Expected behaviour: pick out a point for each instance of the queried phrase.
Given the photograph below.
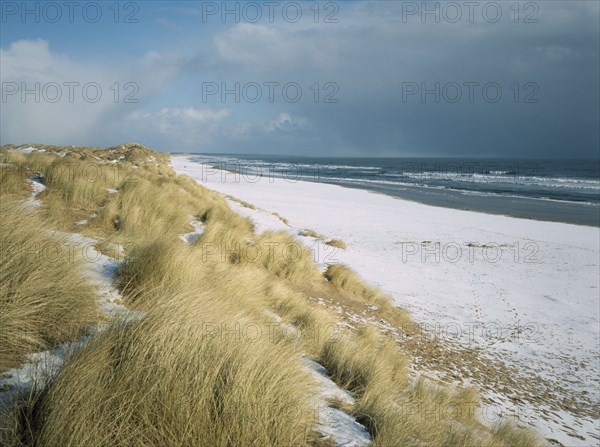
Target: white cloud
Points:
(186, 128)
(285, 123)
(72, 102)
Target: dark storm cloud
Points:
(547, 73)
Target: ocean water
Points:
(555, 190)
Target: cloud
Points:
(48, 97)
(372, 54)
(285, 123)
(179, 129)
(365, 61)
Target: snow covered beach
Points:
(523, 294)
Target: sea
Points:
(553, 190)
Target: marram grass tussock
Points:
(44, 296)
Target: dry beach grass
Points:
(186, 373)
(43, 294)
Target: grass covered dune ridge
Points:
(45, 298)
(212, 345)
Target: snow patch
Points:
(333, 422)
(192, 236)
(38, 368)
(27, 150)
(37, 186)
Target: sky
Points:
(346, 78)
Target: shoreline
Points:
(589, 217)
(557, 293)
(532, 208)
